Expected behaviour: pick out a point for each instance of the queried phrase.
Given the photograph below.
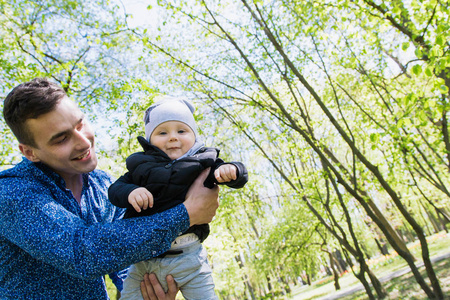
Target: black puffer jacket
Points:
(168, 180)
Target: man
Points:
(58, 232)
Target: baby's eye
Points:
(181, 131)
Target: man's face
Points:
(64, 139)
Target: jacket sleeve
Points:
(242, 176)
(241, 180)
(47, 231)
(119, 191)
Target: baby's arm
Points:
(119, 191)
(225, 173)
(140, 199)
(233, 174)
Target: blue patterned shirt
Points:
(51, 247)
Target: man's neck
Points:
(75, 184)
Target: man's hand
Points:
(201, 202)
(226, 173)
(151, 289)
(140, 199)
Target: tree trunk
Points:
(245, 279)
(434, 222)
(387, 225)
(382, 248)
(361, 277)
(366, 285)
(335, 272)
(442, 220)
(308, 279)
(381, 292)
(338, 263)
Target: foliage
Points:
(344, 91)
(82, 45)
(339, 109)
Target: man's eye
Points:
(61, 140)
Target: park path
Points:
(398, 273)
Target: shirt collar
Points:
(56, 177)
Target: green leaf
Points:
(443, 89)
(422, 116)
(403, 121)
(430, 103)
(396, 10)
(417, 69)
(405, 46)
(418, 53)
(440, 40)
(374, 137)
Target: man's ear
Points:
(29, 152)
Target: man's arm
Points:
(50, 233)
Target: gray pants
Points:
(190, 269)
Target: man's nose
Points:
(82, 140)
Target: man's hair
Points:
(30, 100)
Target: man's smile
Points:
(83, 156)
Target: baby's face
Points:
(173, 137)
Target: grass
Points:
(110, 288)
(403, 287)
(406, 287)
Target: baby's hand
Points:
(140, 198)
(226, 173)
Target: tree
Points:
(298, 60)
(81, 45)
(84, 46)
(340, 108)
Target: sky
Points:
(138, 8)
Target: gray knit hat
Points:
(169, 109)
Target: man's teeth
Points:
(83, 156)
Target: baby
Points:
(157, 179)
